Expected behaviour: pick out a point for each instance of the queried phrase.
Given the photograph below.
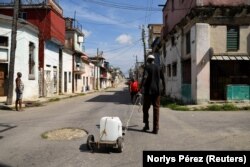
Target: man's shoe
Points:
(145, 128)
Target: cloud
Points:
(86, 33)
(124, 39)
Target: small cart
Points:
(111, 130)
(110, 134)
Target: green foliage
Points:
(178, 107)
(54, 99)
(229, 107)
(245, 108)
(173, 104)
(44, 135)
(213, 107)
(224, 107)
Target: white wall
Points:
(67, 67)
(78, 46)
(173, 83)
(25, 34)
(51, 63)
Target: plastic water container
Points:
(110, 128)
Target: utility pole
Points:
(137, 69)
(12, 53)
(144, 44)
(98, 69)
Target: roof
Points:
(21, 22)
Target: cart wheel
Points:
(90, 142)
(120, 143)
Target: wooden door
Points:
(3, 73)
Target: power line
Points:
(122, 47)
(121, 5)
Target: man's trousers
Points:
(155, 101)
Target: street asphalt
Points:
(21, 144)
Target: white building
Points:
(67, 71)
(88, 76)
(26, 56)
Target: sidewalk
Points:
(40, 101)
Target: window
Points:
(173, 40)
(232, 38)
(172, 5)
(31, 61)
(22, 15)
(83, 80)
(164, 50)
(188, 43)
(174, 68)
(55, 78)
(169, 70)
(3, 41)
(69, 77)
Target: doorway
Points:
(226, 72)
(3, 79)
(65, 82)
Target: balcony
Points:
(72, 24)
(104, 76)
(79, 69)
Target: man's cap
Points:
(150, 57)
(19, 74)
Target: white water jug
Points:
(110, 128)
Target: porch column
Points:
(201, 63)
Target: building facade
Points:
(48, 17)
(26, 56)
(205, 49)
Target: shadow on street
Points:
(4, 127)
(119, 97)
(4, 165)
(102, 150)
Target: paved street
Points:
(21, 143)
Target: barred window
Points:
(31, 61)
(3, 41)
(169, 70)
(232, 38)
(188, 43)
(174, 68)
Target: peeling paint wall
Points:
(219, 39)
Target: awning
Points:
(230, 57)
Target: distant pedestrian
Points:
(112, 83)
(19, 92)
(133, 89)
(151, 88)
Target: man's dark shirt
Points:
(151, 80)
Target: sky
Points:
(114, 27)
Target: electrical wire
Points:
(120, 5)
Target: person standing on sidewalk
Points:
(151, 88)
(19, 92)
